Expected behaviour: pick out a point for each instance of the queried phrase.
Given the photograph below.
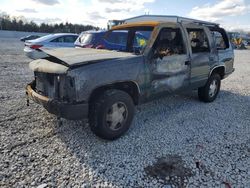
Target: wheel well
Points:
(129, 87)
(220, 71)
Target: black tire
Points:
(204, 92)
(102, 107)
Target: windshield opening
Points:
(133, 39)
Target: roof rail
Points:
(168, 18)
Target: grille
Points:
(45, 84)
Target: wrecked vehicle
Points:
(104, 86)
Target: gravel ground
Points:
(173, 142)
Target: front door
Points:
(170, 62)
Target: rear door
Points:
(56, 42)
(170, 62)
(68, 41)
(224, 49)
(202, 53)
(63, 41)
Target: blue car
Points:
(90, 39)
(111, 40)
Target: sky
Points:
(232, 14)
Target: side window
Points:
(169, 42)
(122, 38)
(118, 37)
(221, 40)
(59, 39)
(69, 39)
(198, 40)
(111, 37)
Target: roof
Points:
(62, 34)
(168, 18)
(136, 24)
(95, 31)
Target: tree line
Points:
(20, 24)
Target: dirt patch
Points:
(171, 170)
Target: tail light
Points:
(36, 46)
(88, 46)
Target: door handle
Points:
(188, 62)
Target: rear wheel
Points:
(111, 114)
(209, 92)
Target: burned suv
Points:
(105, 85)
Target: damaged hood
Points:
(43, 65)
(79, 56)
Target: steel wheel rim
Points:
(213, 88)
(116, 116)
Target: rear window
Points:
(65, 39)
(86, 38)
(46, 37)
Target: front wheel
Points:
(111, 114)
(209, 92)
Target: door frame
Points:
(151, 62)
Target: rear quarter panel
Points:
(226, 58)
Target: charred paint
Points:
(173, 71)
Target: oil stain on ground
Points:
(171, 170)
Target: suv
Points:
(105, 85)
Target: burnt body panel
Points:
(170, 74)
(63, 109)
(89, 78)
(73, 57)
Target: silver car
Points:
(59, 40)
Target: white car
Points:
(59, 40)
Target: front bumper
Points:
(61, 109)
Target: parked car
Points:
(29, 37)
(90, 39)
(105, 85)
(112, 41)
(33, 47)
